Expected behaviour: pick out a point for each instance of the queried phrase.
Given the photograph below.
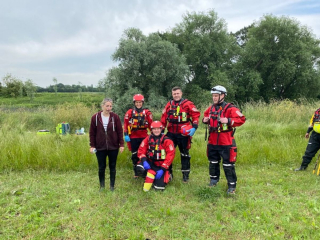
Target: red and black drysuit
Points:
(221, 141)
(159, 151)
(176, 114)
(137, 121)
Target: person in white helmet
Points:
(222, 118)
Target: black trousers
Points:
(215, 153)
(182, 143)
(102, 163)
(135, 144)
(312, 148)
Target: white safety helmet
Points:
(219, 89)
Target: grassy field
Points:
(52, 99)
(49, 184)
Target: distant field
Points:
(52, 99)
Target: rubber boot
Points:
(301, 168)
(112, 179)
(185, 176)
(102, 181)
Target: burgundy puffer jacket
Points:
(111, 139)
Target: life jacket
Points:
(156, 151)
(214, 118)
(138, 120)
(316, 121)
(176, 113)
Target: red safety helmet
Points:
(184, 129)
(138, 97)
(156, 124)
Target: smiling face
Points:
(177, 95)
(156, 131)
(138, 104)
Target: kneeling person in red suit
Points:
(156, 153)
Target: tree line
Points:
(14, 87)
(273, 58)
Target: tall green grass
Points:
(273, 133)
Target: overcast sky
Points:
(73, 40)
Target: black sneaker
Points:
(301, 168)
(231, 191)
(213, 183)
(111, 189)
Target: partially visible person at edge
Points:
(137, 121)
(314, 140)
(177, 113)
(222, 118)
(106, 138)
(156, 153)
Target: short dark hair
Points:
(176, 88)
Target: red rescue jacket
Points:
(177, 114)
(218, 133)
(137, 122)
(159, 150)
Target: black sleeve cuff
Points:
(195, 126)
(144, 159)
(309, 129)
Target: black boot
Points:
(112, 179)
(301, 168)
(185, 177)
(102, 180)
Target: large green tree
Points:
(279, 60)
(209, 49)
(147, 65)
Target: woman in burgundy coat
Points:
(106, 138)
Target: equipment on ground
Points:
(43, 132)
(63, 128)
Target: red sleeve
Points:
(165, 115)
(149, 118)
(194, 113)
(206, 114)
(127, 117)
(142, 151)
(170, 152)
(236, 118)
